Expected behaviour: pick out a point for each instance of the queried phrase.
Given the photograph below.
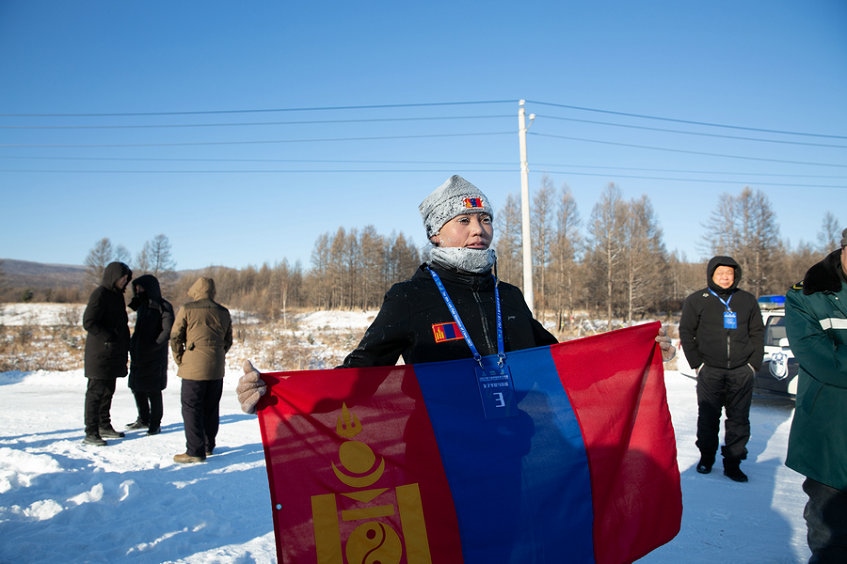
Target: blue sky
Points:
(243, 131)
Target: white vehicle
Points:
(778, 373)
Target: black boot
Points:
(732, 470)
(110, 433)
(94, 440)
(137, 424)
(706, 463)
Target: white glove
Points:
(668, 350)
(250, 388)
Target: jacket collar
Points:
(475, 281)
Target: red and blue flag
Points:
(474, 203)
(413, 464)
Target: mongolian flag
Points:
(561, 454)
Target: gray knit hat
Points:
(455, 197)
(844, 238)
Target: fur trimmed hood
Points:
(824, 276)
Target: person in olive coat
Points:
(200, 338)
(106, 350)
(816, 324)
(148, 351)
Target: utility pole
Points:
(525, 231)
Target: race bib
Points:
(496, 389)
(730, 320)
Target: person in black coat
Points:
(148, 351)
(722, 334)
(415, 322)
(413, 315)
(106, 350)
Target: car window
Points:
(775, 330)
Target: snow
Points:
(129, 502)
(41, 314)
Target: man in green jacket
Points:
(816, 324)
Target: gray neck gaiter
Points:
(477, 261)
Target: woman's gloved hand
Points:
(668, 350)
(250, 388)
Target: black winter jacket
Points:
(105, 320)
(148, 348)
(411, 322)
(701, 327)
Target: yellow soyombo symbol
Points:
(373, 537)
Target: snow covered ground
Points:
(129, 502)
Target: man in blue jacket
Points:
(816, 324)
(722, 335)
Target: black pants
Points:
(98, 404)
(150, 409)
(732, 389)
(201, 414)
(826, 523)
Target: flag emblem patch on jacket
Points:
(444, 332)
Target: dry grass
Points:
(271, 346)
(37, 347)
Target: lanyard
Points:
(726, 302)
(501, 355)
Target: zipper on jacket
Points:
(489, 344)
(728, 356)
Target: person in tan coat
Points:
(200, 338)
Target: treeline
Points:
(351, 270)
(614, 265)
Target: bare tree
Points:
(745, 228)
(372, 266)
(285, 288)
(645, 261)
(541, 229)
(156, 258)
(98, 257)
(829, 237)
(507, 223)
(403, 259)
(319, 279)
(563, 264)
(123, 255)
(607, 246)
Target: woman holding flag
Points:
(454, 308)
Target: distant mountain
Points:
(35, 275)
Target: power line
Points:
(727, 181)
(403, 106)
(691, 122)
(685, 151)
(266, 110)
(254, 142)
(536, 165)
(254, 123)
(512, 170)
(697, 133)
(438, 135)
